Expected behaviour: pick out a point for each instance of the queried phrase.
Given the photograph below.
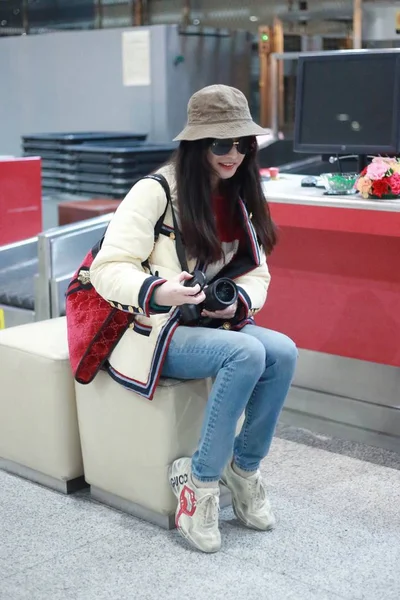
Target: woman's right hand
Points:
(174, 293)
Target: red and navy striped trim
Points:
(166, 230)
(146, 291)
(147, 389)
(251, 233)
(245, 299)
(239, 326)
(142, 329)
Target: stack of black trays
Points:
(94, 164)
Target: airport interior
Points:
(92, 95)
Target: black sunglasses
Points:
(243, 145)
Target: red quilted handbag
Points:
(94, 326)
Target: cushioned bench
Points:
(39, 436)
(128, 443)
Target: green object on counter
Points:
(340, 184)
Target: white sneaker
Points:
(249, 499)
(196, 517)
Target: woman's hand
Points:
(227, 313)
(173, 292)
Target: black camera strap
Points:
(180, 248)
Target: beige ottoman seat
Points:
(128, 442)
(39, 436)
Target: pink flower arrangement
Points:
(380, 178)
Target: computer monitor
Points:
(348, 102)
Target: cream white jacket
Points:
(118, 276)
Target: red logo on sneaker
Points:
(187, 503)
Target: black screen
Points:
(348, 101)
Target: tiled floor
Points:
(337, 537)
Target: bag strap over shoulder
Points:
(161, 179)
(180, 249)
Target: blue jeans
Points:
(253, 369)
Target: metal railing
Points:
(60, 251)
(51, 259)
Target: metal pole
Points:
(264, 90)
(145, 12)
(274, 97)
(25, 16)
(186, 9)
(137, 13)
(132, 11)
(357, 24)
(264, 52)
(278, 41)
(99, 14)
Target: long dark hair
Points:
(194, 174)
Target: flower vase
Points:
(380, 180)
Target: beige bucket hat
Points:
(219, 111)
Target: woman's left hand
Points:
(227, 313)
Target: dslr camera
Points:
(219, 295)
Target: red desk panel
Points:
(336, 281)
(20, 199)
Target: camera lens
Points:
(225, 292)
(220, 294)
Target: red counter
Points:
(335, 273)
(20, 199)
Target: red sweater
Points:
(231, 235)
(228, 232)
